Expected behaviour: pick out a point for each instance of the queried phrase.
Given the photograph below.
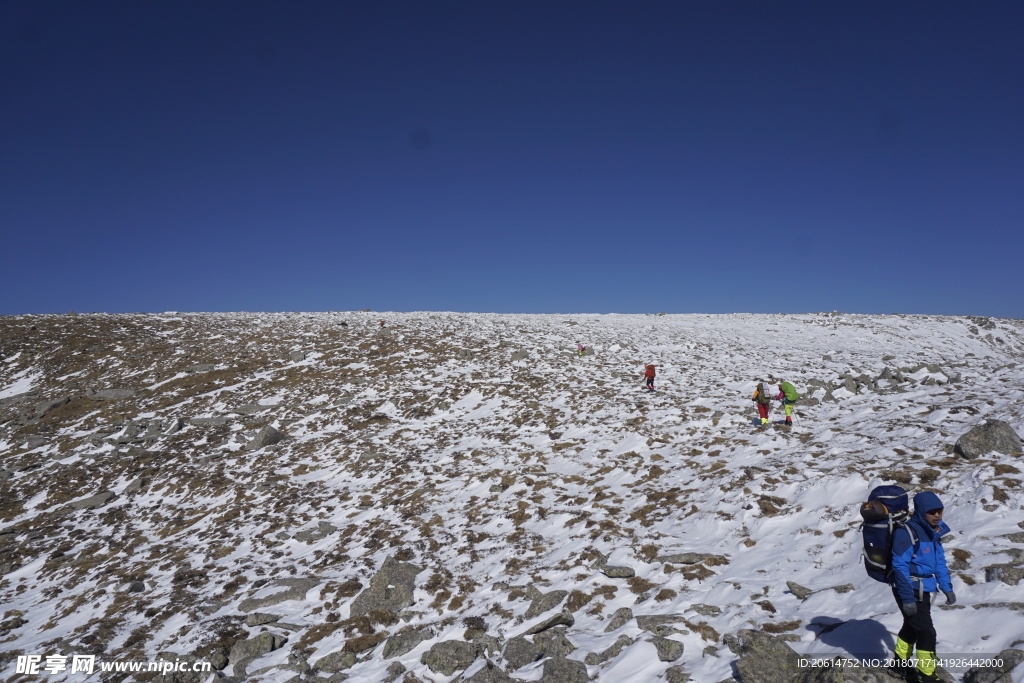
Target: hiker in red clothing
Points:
(649, 376)
(763, 400)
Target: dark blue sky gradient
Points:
(512, 156)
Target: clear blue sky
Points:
(512, 156)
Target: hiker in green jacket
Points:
(788, 396)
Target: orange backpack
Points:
(649, 372)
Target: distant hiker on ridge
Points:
(788, 396)
(580, 348)
(918, 570)
(649, 376)
(763, 401)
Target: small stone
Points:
(682, 558)
(798, 590)
(618, 572)
(260, 618)
(621, 617)
(562, 619)
(450, 656)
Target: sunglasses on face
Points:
(936, 512)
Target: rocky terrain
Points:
(437, 497)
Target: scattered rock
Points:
(554, 643)
(799, 591)
(562, 619)
(110, 394)
(543, 602)
(621, 617)
(675, 674)
(335, 662)
(44, 407)
(594, 659)
(682, 558)
(244, 652)
(268, 436)
(450, 656)
(1010, 658)
(1010, 574)
(391, 588)
(209, 421)
(519, 652)
(260, 618)
(323, 530)
(296, 590)
(561, 670)
(668, 650)
(654, 622)
(618, 572)
(490, 674)
(202, 367)
(92, 502)
(705, 610)
(406, 641)
(252, 408)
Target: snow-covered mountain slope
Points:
(168, 479)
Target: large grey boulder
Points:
(390, 589)
(991, 435)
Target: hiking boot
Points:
(902, 669)
(926, 678)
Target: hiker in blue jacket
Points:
(918, 570)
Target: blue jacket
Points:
(921, 566)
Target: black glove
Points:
(909, 608)
(950, 597)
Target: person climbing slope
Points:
(788, 396)
(649, 376)
(918, 570)
(763, 400)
